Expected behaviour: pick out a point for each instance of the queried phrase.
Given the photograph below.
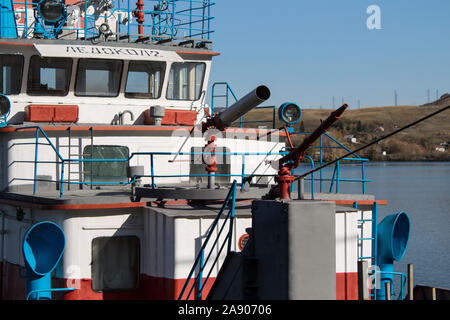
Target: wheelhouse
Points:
(94, 77)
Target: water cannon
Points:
(225, 118)
(291, 161)
(5, 106)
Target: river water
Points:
(422, 190)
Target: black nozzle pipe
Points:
(241, 107)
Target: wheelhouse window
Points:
(145, 79)
(11, 69)
(105, 171)
(185, 81)
(98, 78)
(115, 263)
(49, 76)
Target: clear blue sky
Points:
(307, 51)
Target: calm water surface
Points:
(422, 190)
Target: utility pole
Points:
(395, 97)
(334, 104)
(437, 94)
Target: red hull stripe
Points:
(150, 288)
(347, 286)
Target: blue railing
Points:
(336, 179)
(62, 161)
(37, 292)
(162, 19)
(200, 261)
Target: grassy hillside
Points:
(417, 143)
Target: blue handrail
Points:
(168, 19)
(200, 261)
(46, 290)
(62, 161)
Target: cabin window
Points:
(105, 171)
(49, 76)
(185, 81)
(197, 166)
(115, 263)
(11, 69)
(98, 78)
(145, 79)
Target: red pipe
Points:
(139, 15)
(211, 163)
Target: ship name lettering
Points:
(113, 51)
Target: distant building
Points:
(350, 138)
(442, 147)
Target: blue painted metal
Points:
(200, 261)
(200, 275)
(62, 161)
(392, 242)
(321, 163)
(43, 247)
(177, 20)
(312, 175)
(4, 117)
(35, 161)
(8, 28)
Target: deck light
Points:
(51, 10)
(290, 113)
(4, 105)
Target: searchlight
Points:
(51, 10)
(5, 106)
(290, 113)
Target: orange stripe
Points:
(359, 202)
(85, 206)
(204, 53)
(17, 44)
(127, 128)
